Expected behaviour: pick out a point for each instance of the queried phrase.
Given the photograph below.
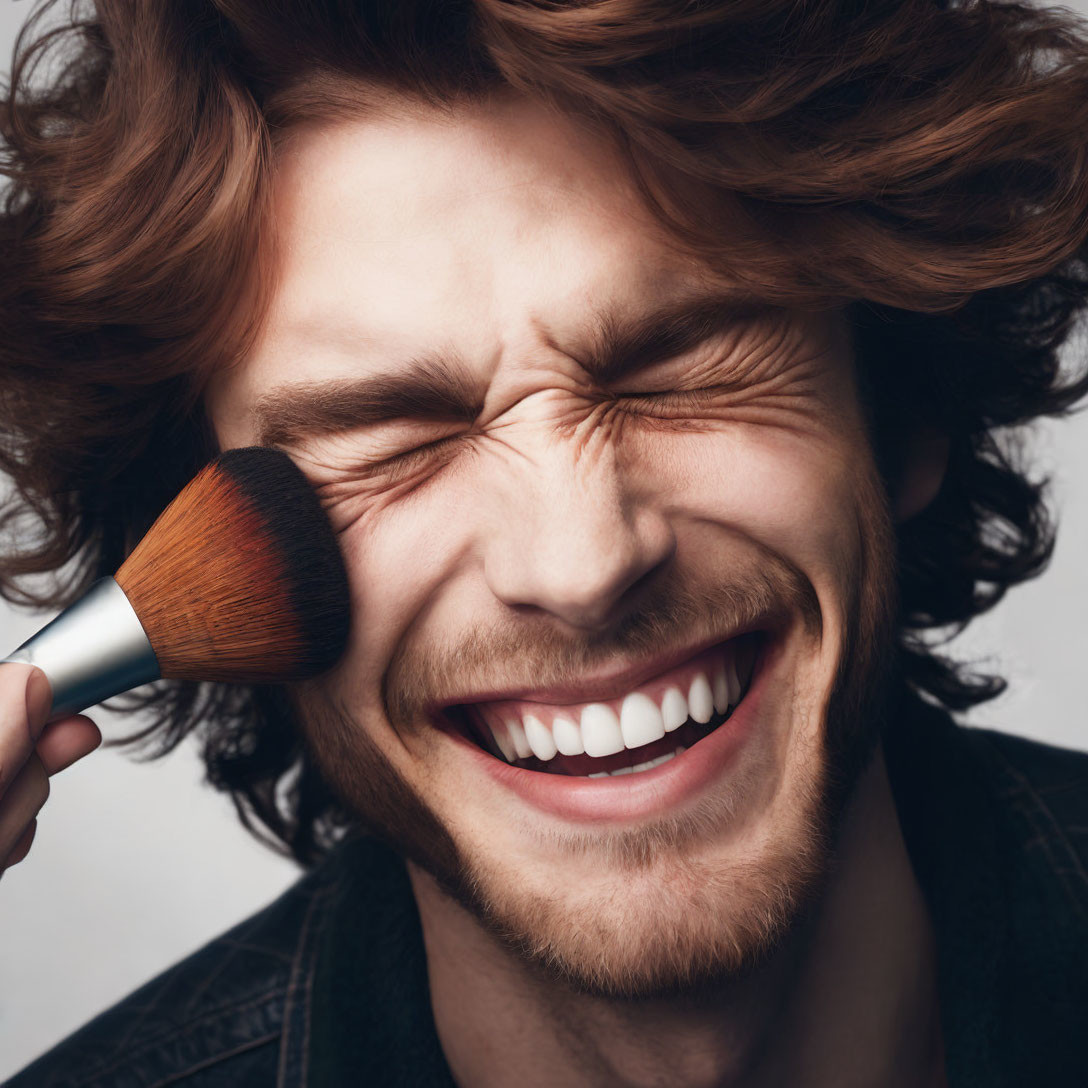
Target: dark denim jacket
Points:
(328, 985)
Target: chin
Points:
(684, 920)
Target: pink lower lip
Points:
(634, 796)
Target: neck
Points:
(849, 1001)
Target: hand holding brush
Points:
(240, 580)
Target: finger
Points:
(22, 847)
(22, 802)
(64, 741)
(25, 699)
(39, 700)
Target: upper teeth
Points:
(603, 729)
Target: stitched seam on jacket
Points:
(208, 1062)
(295, 985)
(162, 1040)
(1049, 835)
(324, 920)
(228, 948)
(122, 1042)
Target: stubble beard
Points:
(673, 917)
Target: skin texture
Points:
(741, 933)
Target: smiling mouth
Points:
(634, 732)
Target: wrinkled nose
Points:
(574, 543)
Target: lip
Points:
(632, 797)
(607, 684)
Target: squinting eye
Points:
(401, 463)
(668, 398)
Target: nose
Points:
(571, 541)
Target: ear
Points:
(925, 461)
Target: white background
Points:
(135, 865)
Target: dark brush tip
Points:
(292, 512)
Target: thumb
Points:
(39, 701)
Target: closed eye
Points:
(678, 399)
(437, 452)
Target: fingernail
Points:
(39, 700)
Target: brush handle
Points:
(94, 649)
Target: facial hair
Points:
(688, 922)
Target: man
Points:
(646, 358)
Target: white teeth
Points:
(506, 745)
(640, 721)
(517, 734)
(601, 730)
(674, 709)
(720, 688)
(701, 699)
(568, 737)
(650, 764)
(540, 738)
(647, 766)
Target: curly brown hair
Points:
(923, 163)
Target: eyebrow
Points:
(423, 388)
(442, 388)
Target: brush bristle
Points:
(240, 579)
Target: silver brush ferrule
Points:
(94, 649)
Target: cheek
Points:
(799, 496)
(398, 556)
(795, 492)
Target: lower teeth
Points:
(647, 766)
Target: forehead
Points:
(468, 229)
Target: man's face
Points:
(593, 505)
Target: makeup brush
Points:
(239, 580)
